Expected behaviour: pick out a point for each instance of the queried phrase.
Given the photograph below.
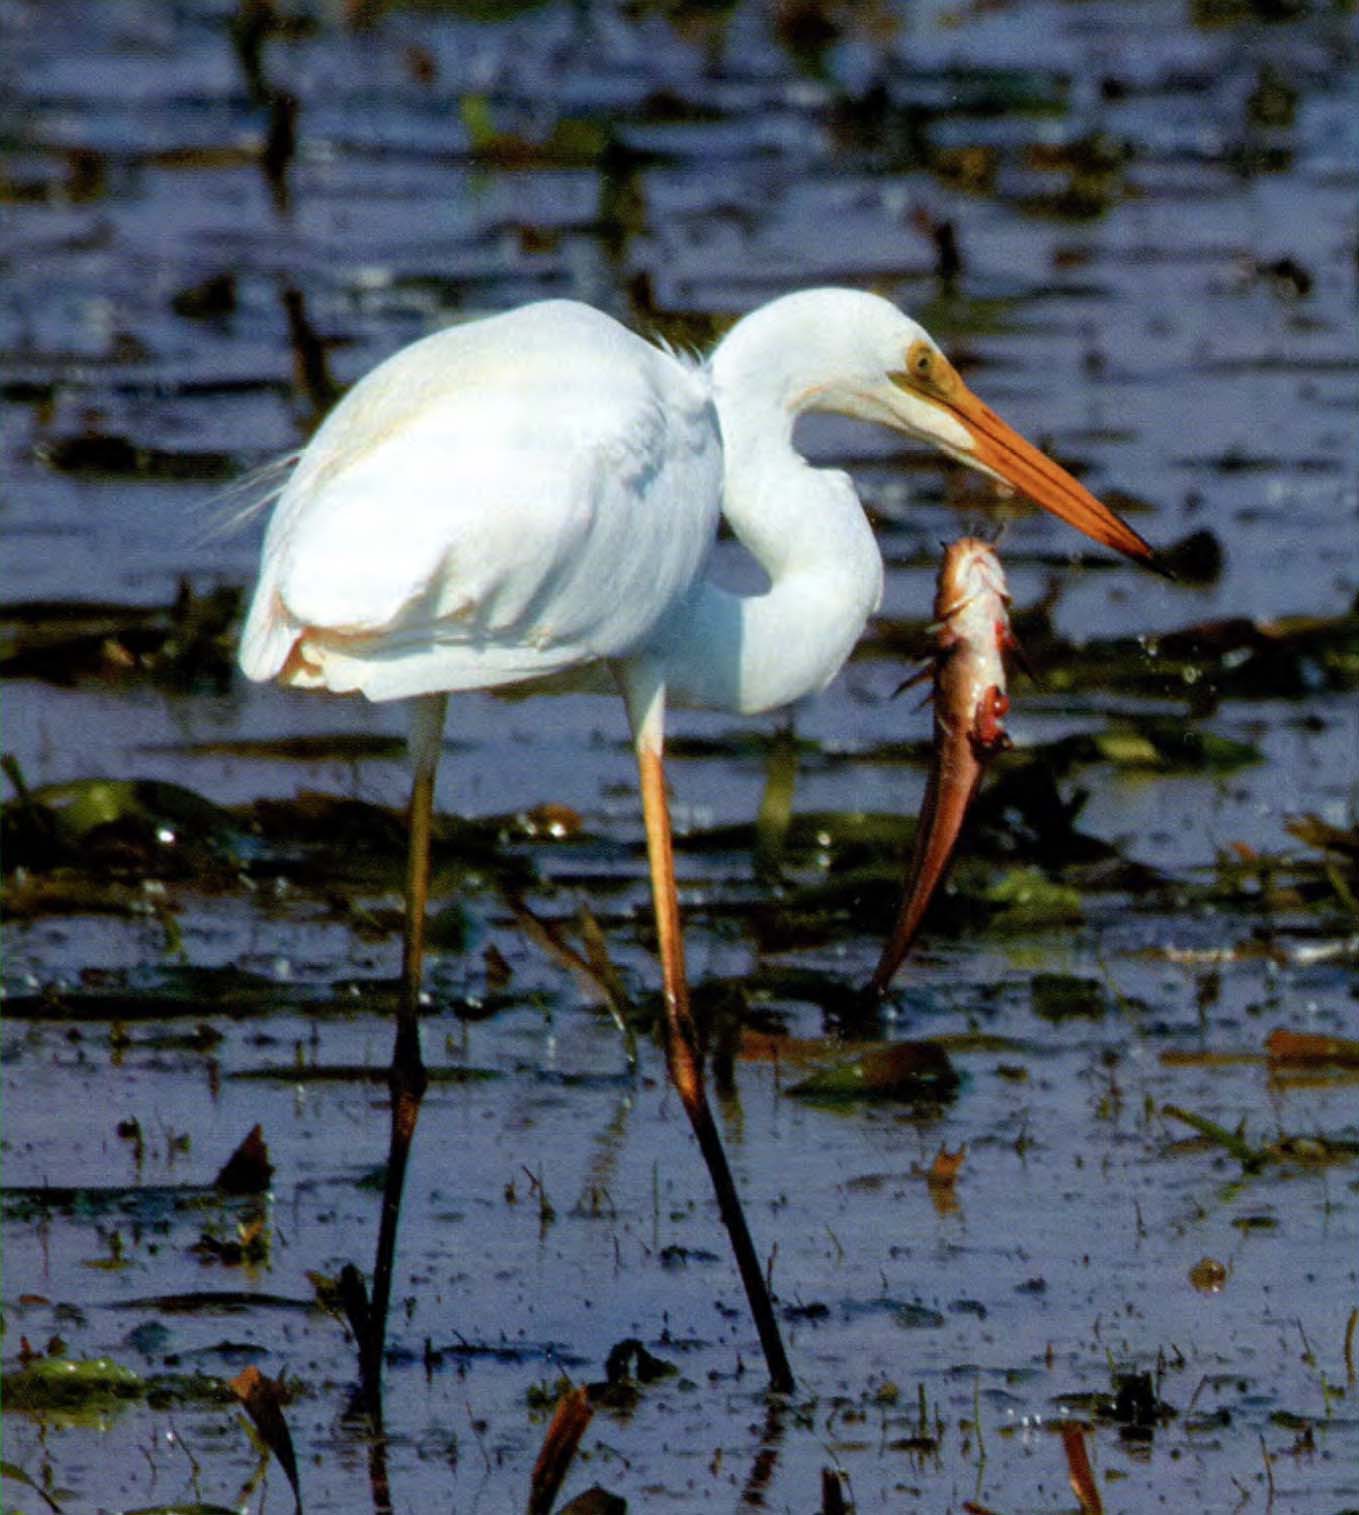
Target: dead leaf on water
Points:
(1315, 1151)
(572, 1415)
(1341, 840)
(1079, 1471)
(248, 1169)
(941, 1176)
(1209, 1276)
(1307, 1047)
(264, 1399)
(247, 1247)
(797, 1051)
(945, 1168)
(904, 1070)
(1063, 996)
(1176, 1058)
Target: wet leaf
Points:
(332, 821)
(916, 1317)
(63, 1383)
(1309, 1048)
(527, 1352)
(106, 455)
(36, 896)
(248, 1247)
(209, 299)
(214, 1302)
(1250, 1158)
(264, 1400)
(903, 1070)
(1159, 746)
(1313, 1150)
(1342, 840)
(571, 140)
(1062, 996)
(573, 1414)
(1079, 1471)
(248, 1169)
(14, 1472)
(629, 1359)
(192, 1507)
(359, 1073)
(1126, 748)
(1027, 899)
(144, 1204)
(184, 645)
(177, 991)
(112, 826)
(1196, 559)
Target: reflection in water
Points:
(776, 802)
(764, 1466)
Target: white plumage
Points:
(540, 490)
(533, 491)
(496, 502)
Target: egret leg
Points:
(686, 1063)
(407, 1078)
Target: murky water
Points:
(1154, 206)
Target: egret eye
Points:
(926, 368)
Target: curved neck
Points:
(806, 529)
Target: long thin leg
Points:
(682, 1054)
(407, 1078)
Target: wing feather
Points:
(495, 503)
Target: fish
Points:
(971, 700)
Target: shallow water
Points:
(1156, 217)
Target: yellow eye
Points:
(928, 369)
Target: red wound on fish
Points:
(988, 730)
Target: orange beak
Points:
(929, 379)
(1002, 451)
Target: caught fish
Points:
(972, 624)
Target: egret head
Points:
(856, 354)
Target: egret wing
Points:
(496, 503)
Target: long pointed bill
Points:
(1001, 449)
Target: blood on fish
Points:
(972, 621)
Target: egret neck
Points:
(805, 528)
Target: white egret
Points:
(537, 490)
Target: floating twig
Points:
(569, 1420)
(1078, 1468)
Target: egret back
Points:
(496, 502)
